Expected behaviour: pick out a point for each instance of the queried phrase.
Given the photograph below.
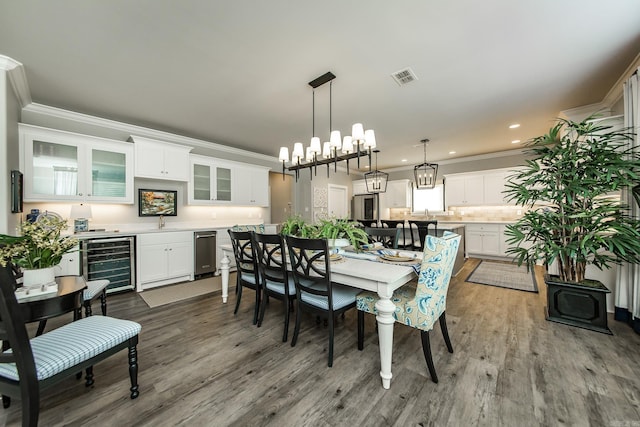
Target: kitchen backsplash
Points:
(466, 213)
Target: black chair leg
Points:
(89, 377)
(426, 349)
(238, 297)
(445, 332)
(297, 327)
(262, 308)
(331, 324)
(103, 302)
(133, 368)
(87, 309)
(285, 334)
(360, 330)
(30, 408)
(257, 307)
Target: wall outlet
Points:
(306, 208)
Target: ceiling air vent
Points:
(404, 76)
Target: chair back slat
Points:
(420, 230)
(310, 266)
(243, 251)
(271, 257)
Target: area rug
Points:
(173, 293)
(504, 275)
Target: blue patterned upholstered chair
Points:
(421, 305)
(247, 275)
(29, 366)
(314, 290)
(275, 280)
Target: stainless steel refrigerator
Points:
(364, 206)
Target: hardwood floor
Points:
(202, 366)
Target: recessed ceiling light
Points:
(515, 141)
(514, 126)
(452, 152)
(403, 160)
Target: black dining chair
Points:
(275, 281)
(315, 293)
(404, 241)
(32, 365)
(387, 236)
(247, 274)
(420, 230)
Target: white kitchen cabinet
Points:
(494, 186)
(483, 239)
(211, 181)
(398, 195)
(65, 166)
(164, 258)
(359, 187)
(160, 160)
(251, 186)
(464, 190)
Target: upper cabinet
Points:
(477, 189)
(251, 187)
(160, 160)
(398, 194)
(221, 182)
(65, 166)
(210, 182)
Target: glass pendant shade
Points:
(284, 154)
(298, 150)
(357, 133)
(335, 140)
(369, 139)
(315, 145)
(326, 150)
(347, 145)
(309, 156)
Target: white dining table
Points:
(382, 278)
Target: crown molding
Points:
(73, 116)
(615, 94)
(583, 111)
(18, 79)
(507, 153)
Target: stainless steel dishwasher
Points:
(204, 253)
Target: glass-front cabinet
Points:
(211, 181)
(65, 166)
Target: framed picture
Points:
(157, 202)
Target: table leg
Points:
(385, 336)
(224, 273)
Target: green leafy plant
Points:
(571, 186)
(332, 228)
(39, 245)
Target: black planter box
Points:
(577, 304)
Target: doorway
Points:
(338, 205)
(281, 197)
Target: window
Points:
(431, 199)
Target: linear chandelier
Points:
(425, 173)
(333, 151)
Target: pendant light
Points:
(376, 180)
(425, 174)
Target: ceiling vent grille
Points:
(404, 76)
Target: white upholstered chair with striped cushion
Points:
(30, 365)
(421, 305)
(314, 290)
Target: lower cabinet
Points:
(483, 239)
(164, 258)
(70, 263)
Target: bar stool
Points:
(422, 227)
(404, 241)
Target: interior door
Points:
(338, 202)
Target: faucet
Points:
(426, 213)
(161, 222)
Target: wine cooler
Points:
(112, 259)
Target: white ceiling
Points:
(236, 72)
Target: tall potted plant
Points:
(571, 185)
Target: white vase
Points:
(40, 276)
(338, 243)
